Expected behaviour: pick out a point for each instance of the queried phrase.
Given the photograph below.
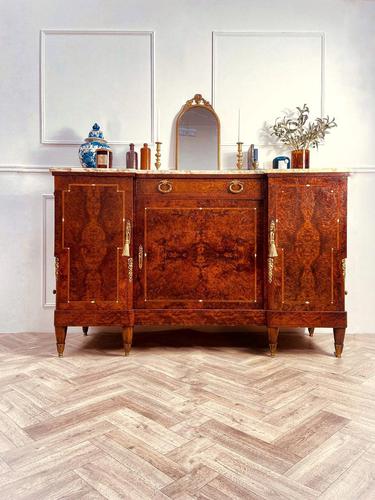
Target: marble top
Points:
(201, 172)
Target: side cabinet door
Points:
(91, 218)
(307, 220)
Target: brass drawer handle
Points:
(165, 186)
(236, 187)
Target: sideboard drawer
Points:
(235, 187)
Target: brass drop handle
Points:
(128, 230)
(236, 187)
(165, 186)
(272, 250)
(140, 256)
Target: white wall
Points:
(343, 72)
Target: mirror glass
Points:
(197, 136)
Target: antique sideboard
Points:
(215, 248)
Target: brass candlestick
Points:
(239, 155)
(157, 155)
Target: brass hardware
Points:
(157, 155)
(130, 269)
(239, 163)
(236, 187)
(140, 256)
(272, 251)
(57, 268)
(338, 350)
(343, 265)
(270, 269)
(273, 349)
(126, 249)
(165, 186)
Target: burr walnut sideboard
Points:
(214, 248)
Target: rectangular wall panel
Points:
(97, 76)
(264, 75)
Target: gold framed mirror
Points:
(197, 136)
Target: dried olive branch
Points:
(296, 133)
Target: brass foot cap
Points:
(311, 332)
(338, 350)
(273, 348)
(60, 349)
(126, 353)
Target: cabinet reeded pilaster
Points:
(233, 248)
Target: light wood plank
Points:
(174, 420)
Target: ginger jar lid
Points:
(96, 134)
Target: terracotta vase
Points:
(145, 157)
(301, 158)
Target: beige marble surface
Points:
(189, 172)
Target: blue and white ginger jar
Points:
(87, 150)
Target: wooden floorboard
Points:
(188, 415)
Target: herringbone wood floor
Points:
(187, 415)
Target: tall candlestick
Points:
(239, 155)
(158, 155)
(157, 124)
(239, 125)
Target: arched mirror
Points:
(197, 136)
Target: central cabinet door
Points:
(199, 243)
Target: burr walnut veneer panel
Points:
(200, 249)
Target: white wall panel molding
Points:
(48, 232)
(24, 169)
(258, 72)
(106, 76)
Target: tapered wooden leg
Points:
(273, 334)
(127, 337)
(311, 331)
(339, 334)
(85, 330)
(60, 332)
